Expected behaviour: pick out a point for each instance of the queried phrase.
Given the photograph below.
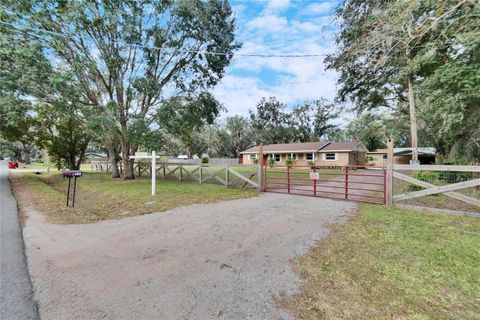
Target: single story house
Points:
(322, 153)
(426, 155)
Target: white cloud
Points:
(318, 8)
(239, 94)
(269, 23)
(277, 5)
(275, 30)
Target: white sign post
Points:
(144, 155)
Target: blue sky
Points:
(279, 27)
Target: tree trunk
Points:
(113, 158)
(127, 151)
(413, 120)
(114, 163)
(128, 172)
(71, 161)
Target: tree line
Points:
(415, 62)
(123, 76)
(110, 71)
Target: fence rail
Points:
(464, 177)
(354, 183)
(241, 176)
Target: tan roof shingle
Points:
(289, 147)
(309, 147)
(345, 146)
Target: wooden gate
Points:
(352, 183)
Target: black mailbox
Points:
(72, 174)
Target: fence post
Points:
(314, 184)
(288, 178)
(163, 169)
(200, 173)
(139, 166)
(181, 173)
(226, 175)
(389, 195)
(154, 164)
(346, 182)
(261, 176)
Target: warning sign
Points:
(314, 176)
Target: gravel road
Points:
(15, 286)
(227, 260)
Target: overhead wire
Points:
(204, 52)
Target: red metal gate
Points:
(352, 183)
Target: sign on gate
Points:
(314, 176)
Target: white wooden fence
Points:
(241, 176)
(401, 172)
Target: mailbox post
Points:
(72, 174)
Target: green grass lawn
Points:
(388, 263)
(99, 197)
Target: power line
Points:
(258, 55)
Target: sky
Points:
(279, 27)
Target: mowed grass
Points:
(389, 263)
(99, 197)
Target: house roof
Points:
(308, 147)
(406, 151)
(421, 150)
(289, 147)
(345, 146)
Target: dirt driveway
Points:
(227, 260)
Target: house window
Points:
(309, 157)
(293, 156)
(330, 156)
(277, 157)
(253, 156)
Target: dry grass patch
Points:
(389, 263)
(99, 197)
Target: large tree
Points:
(24, 72)
(271, 123)
(128, 56)
(388, 48)
(185, 117)
(236, 135)
(61, 130)
(324, 113)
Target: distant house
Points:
(426, 155)
(320, 153)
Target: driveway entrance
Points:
(228, 260)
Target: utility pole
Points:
(413, 122)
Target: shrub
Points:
(271, 162)
(290, 161)
(255, 161)
(427, 176)
(205, 159)
(310, 163)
